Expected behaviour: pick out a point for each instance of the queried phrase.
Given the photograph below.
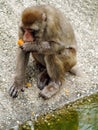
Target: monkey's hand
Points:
(43, 47)
(27, 46)
(36, 47)
(15, 89)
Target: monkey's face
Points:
(33, 24)
(30, 33)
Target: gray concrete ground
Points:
(83, 15)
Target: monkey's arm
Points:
(43, 47)
(22, 60)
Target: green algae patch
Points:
(59, 120)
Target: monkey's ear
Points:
(44, 17)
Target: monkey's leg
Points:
(55, 71)
(22, 60)
(43, 79)
(56, 66)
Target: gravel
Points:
(83, 15)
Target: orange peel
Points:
(20, 42)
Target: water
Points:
(88, 117)
(80, 115)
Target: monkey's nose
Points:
(27, 37)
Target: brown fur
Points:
(29, 16)
(54, 46)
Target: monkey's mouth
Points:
(29, 41)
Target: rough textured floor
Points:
(83, 15)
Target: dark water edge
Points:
(79, 115)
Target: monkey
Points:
(49, 37)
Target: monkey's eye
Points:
(34, 32)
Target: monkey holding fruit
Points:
(47, 34)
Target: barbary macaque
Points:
(48, 35)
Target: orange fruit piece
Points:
(67, 92)
(20, 42)
(32, 113)
(28, 85)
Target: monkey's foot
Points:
(14, 90)
(43, 79)
(50, 90)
